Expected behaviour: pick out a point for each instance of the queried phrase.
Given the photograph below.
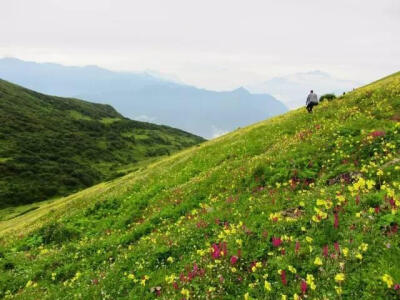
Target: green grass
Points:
(309, 198)
(51, 146)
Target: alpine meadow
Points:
(300, 206)
(52, 146)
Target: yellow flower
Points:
(246, 296)
(310, 281)
(338, 290)
(379, 172)
(233, 269)
(345, 251)
(131, 276)
(267, 286)
(170, 259)
(284, 297)
(309, 239)
(339, 277)
(318, 261)
(292, 269)
(340, 198)
(363, 247)
(29, 283)
(170, 279)
(258, 264)
(296, 297)
(185, 293)
(388, 280)
(359, 256)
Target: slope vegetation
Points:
(52, 146)
(299, 206)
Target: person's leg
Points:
(309, 107)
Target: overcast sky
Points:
(217, 44)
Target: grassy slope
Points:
(52, 146)
(284, 178)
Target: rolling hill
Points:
(146, 97)
(301, 206)
(51, 146)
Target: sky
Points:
(214, 44)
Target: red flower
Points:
(234, 259)
(195, 268)
(336, 223)
(216, 251)
(303, 287)
(377, 133)
(283, 277)
(336, 245)
(325, 251)
(276, 242)
(297, 247)
(224, 249)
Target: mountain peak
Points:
(241, 90)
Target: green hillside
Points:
(51, 146)
(302, 206)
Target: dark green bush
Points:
(328, 97)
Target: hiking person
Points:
(312, 100)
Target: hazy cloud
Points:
(215, 44)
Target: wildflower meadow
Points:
(301, 206)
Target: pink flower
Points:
(396, 287)
(216, 251)
(325, 251)
(297, 247)
(283, 277)
(276, 242)
(303, 287)
(224, 249)
(234, 259)
(195, 268)
(239, 253)
(336, 223)
(377, 133)
(336, 245)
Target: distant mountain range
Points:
(293, 89)
(146, 96)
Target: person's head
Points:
(311, 91)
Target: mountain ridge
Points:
(136, 94)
